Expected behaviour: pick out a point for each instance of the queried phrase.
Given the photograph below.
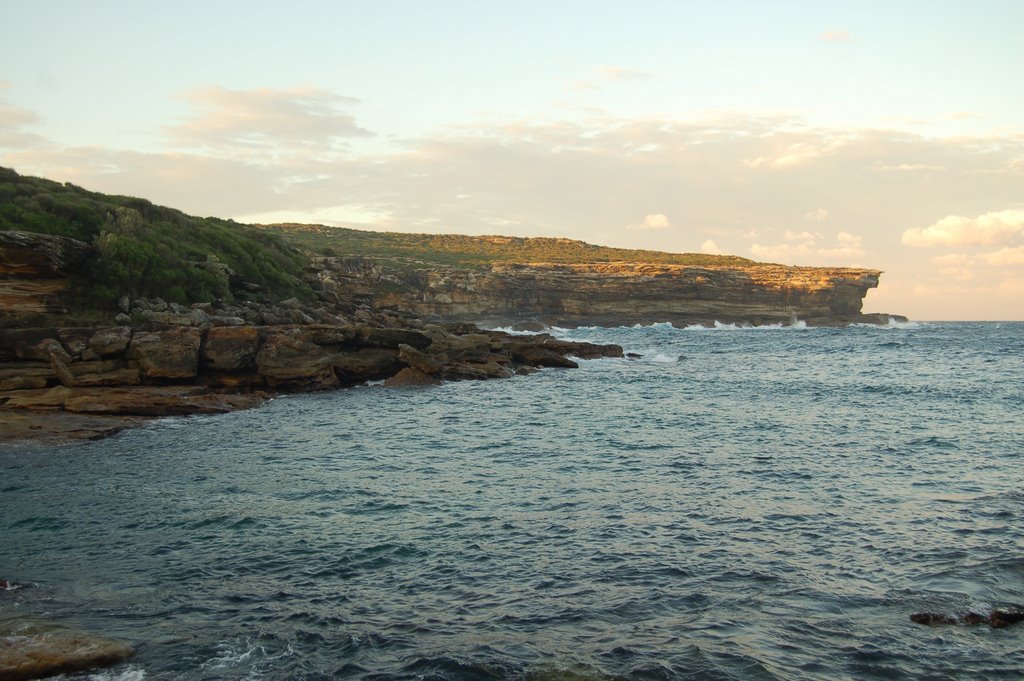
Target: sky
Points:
(887, 135)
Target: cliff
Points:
(605, 294)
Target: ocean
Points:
(769, 503)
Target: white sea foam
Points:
(893, 324)
(128, 674)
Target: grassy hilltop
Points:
(470, 251)
(141, 249)
(144, 250)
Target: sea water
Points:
(768, 503)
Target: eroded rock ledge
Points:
(59, 384)
(608, 294)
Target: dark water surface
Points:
(737, 504)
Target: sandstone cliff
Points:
(606, 294)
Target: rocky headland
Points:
(114, 310)
(606, 294)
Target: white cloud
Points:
(1005, 257)
(803, 237)
(955, 230)
(805, 248)
(906, 167)
(710, 247)
(653, 221)
(816, 215)
(254, 122)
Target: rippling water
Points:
(736, 504)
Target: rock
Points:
(123, 318)
(168, 318)
(31, 344)
(617, 293)
(409, 377)
(59, 427)
(26, 375)
(32, 649)
(287, 362)
(365, 364)
(473, 371)
(932, 618)
(155, 401)
(996, 618)
(223, 320)
(97, 373)
(392, 338)
(124, 304)
(107, 342)
(230, 348)
(418, 360)
(542, 357)
(74, 340)
(1004, 618)
(27, 254)
(199, 318)
(171, 354)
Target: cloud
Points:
(13, 120)
(955, 230)
(265, 120)
(816, 215)
(914, 166)
(710, 247)
(794, 154)
(806, 248)
(836, 36)
(653, 221)
(1005, 257)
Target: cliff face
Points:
(34, 272)
(613, 294)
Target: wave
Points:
(893, 324)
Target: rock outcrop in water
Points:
(73, 382)
(34, 649)
(606, 294)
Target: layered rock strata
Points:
(34, 271)
(73, 383)
(610, 294)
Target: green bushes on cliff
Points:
(459, 249)
(141, 249)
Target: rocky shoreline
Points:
(60, 384)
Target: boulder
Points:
(107, 342)
(473, 371)
(32, 649)
(230, 348)
(74, 340)
(418, 360)
(409, 377)
(287, 362)
(171, 354)
(538, 356)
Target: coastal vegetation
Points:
(143, 250)
(477, 251)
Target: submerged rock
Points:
(997, 619)
(33, 649)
